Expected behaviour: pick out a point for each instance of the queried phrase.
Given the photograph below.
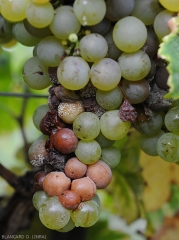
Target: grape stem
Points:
(22, 95)
(10, 177)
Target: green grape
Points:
(172, 120)
(64, 22)
(146, 10)
(102, 27)
(86, 215)
(109, 100)
(39, 198)
(14, 10)
(111, 156)
(35, 74)
(151, 126)
(38, 114)
(172, 5)
(135, 91)
(134, 66)
(40, 15)
(53, 215)
(86, 126)
(50, 51)
(37, 32)
(35, 51)
(88, 152)
(93, 47)
(112, 126)
(117, 9)
(105, 74)
(97, 199)
(129, 34)
(23, 36)
(113, 51)
(161, 27)
(148, 144)
(73, 73)
(167, 147)
(103, 141)
(89, 12)
(5, 30)
(68, 227)
(151, 47)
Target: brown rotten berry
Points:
(64, 140)
(100, 173)
(38, 180)
(55, 183)
(85, 187)
(70, 199)
(74, 168)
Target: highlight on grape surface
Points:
(99, 62)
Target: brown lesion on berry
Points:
(127, 112)
(51, 122)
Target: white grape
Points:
(89, 12)
(73, 73)
(129, 34)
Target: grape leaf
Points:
(123, 198)
(169, 51)
(130, 151)
(159, 175)
(101, 231)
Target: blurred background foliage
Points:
(142, 201)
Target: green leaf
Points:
(137, 183)
(169, 51)
(123, 199)
(130, 151)
(101, 231)
(174, 201)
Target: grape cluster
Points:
(99, 60)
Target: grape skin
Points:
(86, 126)
(167, 147)
(53, 215)
(93, 47)
(35, 74)
(172, 120)
(73, 73)
(172, 5)
(10, 9)
(129, 34)
(161, 27)
(88, 152)
(134, 66)
(112, 127)
(64, 22)
(40, 15)
(86, 215)
(50, 51)
(39, 198)
(89, 12)
(38, 114)
(105, 74)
